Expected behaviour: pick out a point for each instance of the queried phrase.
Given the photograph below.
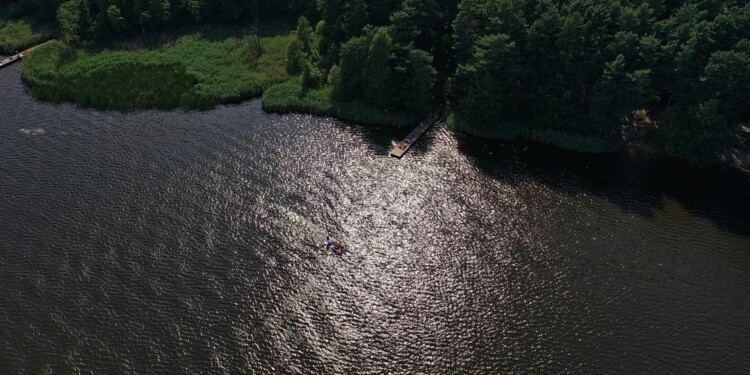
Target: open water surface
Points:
(169, 242)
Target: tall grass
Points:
(190, 72)
(16, 36)
(292, 97)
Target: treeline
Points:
(557, 71)
(514, 67)
(583, 66)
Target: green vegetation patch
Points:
(190, 72)
(16, 36)
(292, 97)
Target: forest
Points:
(571, 72)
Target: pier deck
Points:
(400, 149)
(12, 59)
(16, 57)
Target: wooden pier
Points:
(400, 149)
(16, 57)
(12, 59)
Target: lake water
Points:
(171, 242)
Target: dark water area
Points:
(170, 242)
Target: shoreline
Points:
(739, 161)
(290, 97)
(114, 80)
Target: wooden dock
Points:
(400, 149)
(12, 59)
(16, 57)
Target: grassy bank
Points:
(201, 70)
(15, 36)
(292, 97)
(564, 140)
(190, 72)
(197, 71)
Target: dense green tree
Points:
(68, 18)
(699, 72)
(488, 85)
(311, 75)
(295, 57)
(617, 94)
(469, 24)
(354, 18)
(727, 78)
(352, 68)
(116, 20)
(426, 25)
(84, 19)
(305, 33)
(697, 134)
(379, 88)
(380, 10)
(344, 19)
(417, 89)
(334, 78)
(415, 19)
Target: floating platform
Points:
(400, 149)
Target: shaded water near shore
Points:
(173, 242)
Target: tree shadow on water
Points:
(378, 138)
(636, 182)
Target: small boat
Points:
(335, 246)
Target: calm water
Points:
(172, 242)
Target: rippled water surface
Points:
(173, 242)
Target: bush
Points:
(311, 76)
(285, 97)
